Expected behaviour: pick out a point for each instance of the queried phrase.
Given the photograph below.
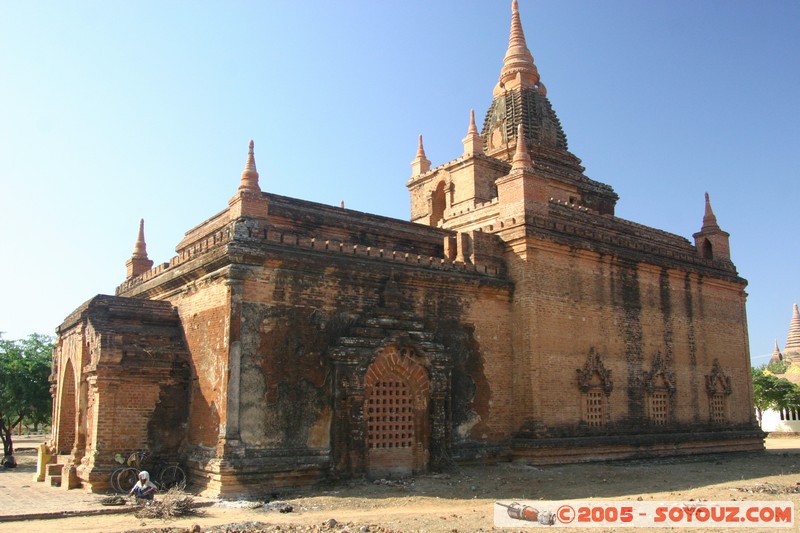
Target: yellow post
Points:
(43, 458)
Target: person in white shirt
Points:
(144, 488)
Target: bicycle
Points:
(122, 479)
(125, 477)
(165, 475)
(171, 475)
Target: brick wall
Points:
(204, 309)
(129, 392)
(568, 302)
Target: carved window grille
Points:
(659, 407)
(718, 415)
(719, 387)
(659, 383)
(595, 408)
(390, 419)
(595, 383)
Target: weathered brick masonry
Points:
(123, 383)
(514, 317)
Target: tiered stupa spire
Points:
(793, 341)
(518, 69)
(420, 149)
(249, 182)
(522, 159)
(473, 129)
(139, 262)
(711, 242)
(709, 219)
(520, 98)
(776, 354)
(473, 144)
(248, 200)
(140, 248)
(420, 164)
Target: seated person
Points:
(144, 488)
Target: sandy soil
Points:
(462, 500)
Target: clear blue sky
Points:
(115, 111)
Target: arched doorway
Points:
(66, 416)
(397, 394)
(707, 250)
(438, 204)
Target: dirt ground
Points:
(462, 500)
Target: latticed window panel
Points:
(595, 408)
(718, 408)
(390, 417)
(659, 408)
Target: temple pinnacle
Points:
(420, 164)
(138, 263)
(249, 181)
(472, 128)
(518, 67)
(473, 143)
(709, 219)
(420, 148)
(793, 341)
(251, 157)
(776, 354)
(140, 248)
(522, 160)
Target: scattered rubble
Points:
(770, 488)
(400, 483)
(281, 507)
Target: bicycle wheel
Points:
(125, 480)
(113, 479)
(172, 476)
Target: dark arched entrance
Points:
(68, 409)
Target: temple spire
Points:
(249, 200)
(420, 164)
(420, 149)
(473, 143)
(711, 242)
(140, 248)
(138, 262)
(249, 181)
(709, 219)
(793, 341)
(776, 354)
(518, 68)
(522, 160)
(473, 129)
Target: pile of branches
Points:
(172, 504)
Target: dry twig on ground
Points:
(172, 504)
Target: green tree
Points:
(24, 384)
(778, 367)
(772, 392)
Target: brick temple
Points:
(513, 318)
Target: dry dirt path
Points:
(462, 501)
